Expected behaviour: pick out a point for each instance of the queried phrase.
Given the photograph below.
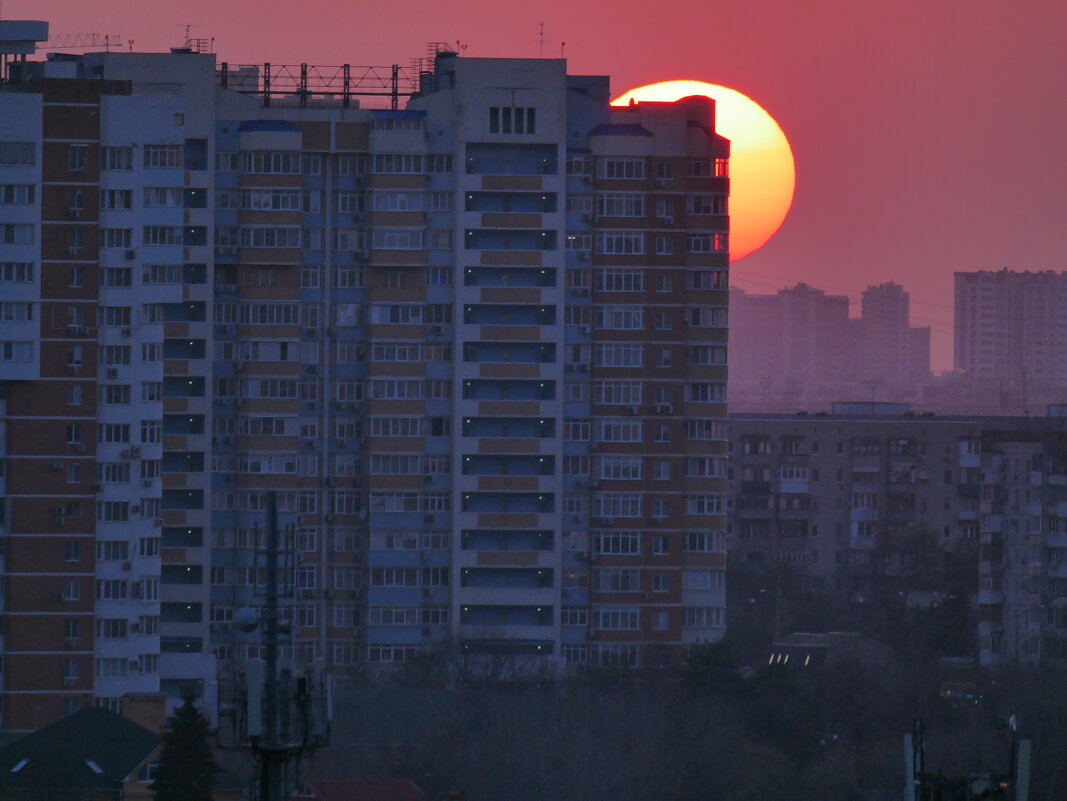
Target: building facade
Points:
(800, 349)
(475, 347)
(1010, 326)
(862, 501)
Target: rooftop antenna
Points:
(541, 42)
(130, 43)
(562, 47)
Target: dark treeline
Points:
(706, 735)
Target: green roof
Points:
(93, 748)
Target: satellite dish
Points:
(246, 619)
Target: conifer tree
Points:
(187, 768)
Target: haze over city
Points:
(927, 136)
(442, 428)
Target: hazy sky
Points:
(930, 135)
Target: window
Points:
(115, 237)
(163, 156)
(621, 168)
(77, 156)
(617, 504)
(272, 162)
(620, 318)
(706, 243)
(705, 204)
(22, 234)
(116, 158)
(620, 242)
(620, 204)
(619, 279)
(16, 272)
(618, 355)
(617, 618)
(512, 119)
(111, 668)
(622, 543)
(703, 617)
(111, 590)
(18, 154)
(707, 168)
(16, 194)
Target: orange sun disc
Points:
(762, 173)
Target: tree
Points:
(187, 767)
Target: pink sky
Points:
(928, 134)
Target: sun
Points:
(762, 173)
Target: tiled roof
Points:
(94, 747)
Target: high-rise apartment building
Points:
(799, 349)
(866, 499)
(476, 346)
(1012, 326)
(891, 349)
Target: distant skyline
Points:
(927, 135)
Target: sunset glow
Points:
(762, 173)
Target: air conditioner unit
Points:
(136, 509)
(658, 520)
(313, 369)
(436, 330)
(68, 681)
(586, 329)
(135, 452)
(309, 332)
(239, 367)
(427, 519)
(668, 219)
(58, 511)
(74, 212)
(426, 592)
(73, 251)
(583, 255)
(71, 642)
(357, 635)
(135, 626)
(127, 332)
(131, 254)
(587, 217)
(125, 454)
(127, 567)
(581, 368)
(58, 596)
(426, 631)
(57, 465)
(112, 373)
(581, 292)
(661, 181)
(76, 330)
(79, 447)
(632, 410)
(135, 665)
(158, 522)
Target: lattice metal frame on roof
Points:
(305, 82)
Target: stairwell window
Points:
(512, 119)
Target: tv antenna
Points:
(541, 41)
